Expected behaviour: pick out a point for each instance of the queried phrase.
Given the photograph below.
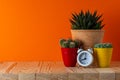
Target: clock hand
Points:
(84, 56)
(82, 61)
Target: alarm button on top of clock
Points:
(79, 50)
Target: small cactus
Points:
(96, 45)
(69, 43)
(103, 45)
(77, 43)
(109, 45)
(72, 45)
(65, 44)
(61, 41)
(69, 40)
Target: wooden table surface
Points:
(56, 71)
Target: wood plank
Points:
(51, 71)
(26, 76)
(25, 70)
(5, 68)
(58, 71)
(106, 74)
(58, 67)
(75, 73)
(8, 76)
(44, 71)
(90, 74)
(115, 64)
(44, 67)
(25, 67)
(117, 73)
(116, 68)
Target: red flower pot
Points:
(69, 56)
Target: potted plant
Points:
(86, 27)
(104, 54)
(69, 51)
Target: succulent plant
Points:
(72, 45)
(61, 41)
(69, 43)
(86, 20)
(69, 40)
(103, 45)
(65, 44)
(77, 42)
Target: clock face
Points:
(84, 58)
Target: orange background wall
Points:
(31, 29)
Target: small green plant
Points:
(69, 43)
(86, 20)
(103, 45)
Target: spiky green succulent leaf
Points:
(86, 20)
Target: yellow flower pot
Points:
(104, 56)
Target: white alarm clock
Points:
(85, 57)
